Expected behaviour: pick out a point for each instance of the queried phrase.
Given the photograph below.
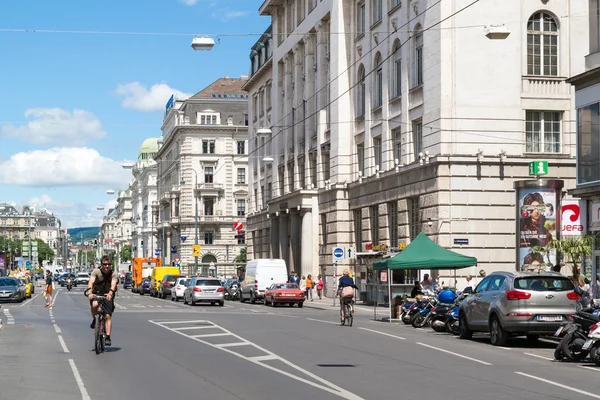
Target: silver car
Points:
(518, 303)
(204, 290)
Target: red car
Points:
(288, 293)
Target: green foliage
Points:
(576, 248)
(44, 252)
(126, 253)
(241, 258)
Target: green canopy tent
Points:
(422, 253)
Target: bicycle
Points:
(348, 311)
(100, 327)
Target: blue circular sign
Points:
(338, 252)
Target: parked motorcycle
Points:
(423, 317)
(575, 334)
(593, 344)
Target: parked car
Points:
(157, 276)
(204, 290)
(517, 303)
(83, 278)
(11, 289)
(28, 287)
(145, 288)
(164, 288)
(127, 281)
(260, 274)
(284, 293)
(178, 288)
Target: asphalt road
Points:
(163, 349)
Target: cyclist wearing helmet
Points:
(345, 281)
(103, 282)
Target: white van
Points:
(260, 274)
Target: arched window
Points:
(360, 96)
(418, 57)
(209, 258)
(542, 45)
(378, 82)
(396, 70)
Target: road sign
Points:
(195, 250)
(351, 253)
(238, 226)
(461, 241)
(86, 243)
(339, 254)
(537, 168)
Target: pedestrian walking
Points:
(48, 290)
(309, 287)
(320, 286)
(303, 284)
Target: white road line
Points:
(84, 393)
(500, 347)
(538, 356)
(323, 384)
(589, 368)
(120, 307)
(30, 299)
(63, 344)
(189, 328)
(210, 335)
(383, 333)
(263, 358)
(234, 344)
(180, 322)
(55, 296)
(57, 329)
(453, 353)
(10, 320)
(560, 385)
(325, 322)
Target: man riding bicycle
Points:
(103, 282)
(345, 282)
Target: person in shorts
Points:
(103, 282)
(48, 290)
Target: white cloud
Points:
(227, 15)
(188, 2)
(57, 126)
(63, 166)
(138, 97)
(71, 214)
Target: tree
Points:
(241, 258)
(126, 253)
(575, 248)
(44, 251)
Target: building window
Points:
(209, 206)
(176, 207)
(378, 82)
(392, 209)
(418, 72)
(358, 229)
(374, 214)
(376, 10)
(588, 144)
(542, 45)
(269, 194)
(241, 176)
(313, 169)
(324, 229)
(360, 155)
(395, 3)
(208, 146)
(241, 147)
(397, 71)
(208, 237)
(397, 137)
(209, 118)
(361, 95)
(542, 131)
(360, 19)
(245, 119)
(377, 153)
(208, 174)
(417, 127)
(414, 220)
(241, 207)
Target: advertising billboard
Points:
(573, 217)
(538, 223)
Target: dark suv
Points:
(164, 289)
(127, 281)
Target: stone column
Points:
(168, 255)
(299, 123)
(284, 242)
(321, 103)
(311, 101)
(287, 137)
(274, 244)
(295, 242)
(306, 245)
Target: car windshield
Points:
(286, 286)
(83, 275)
(171, 279)
(8, 282)
(544, 284)
(208, 282)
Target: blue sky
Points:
(76, 105)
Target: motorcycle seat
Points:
(589, 316)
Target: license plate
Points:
(587, 344)
(550, 318)
(559, 331)
(289, 295)
(5, 295)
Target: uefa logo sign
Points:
(573, 217)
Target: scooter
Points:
(69, 285)
(593, 344)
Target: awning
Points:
(423, 253)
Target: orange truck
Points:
(141, 268)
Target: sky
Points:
(78, 104)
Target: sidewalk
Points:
(326, 303)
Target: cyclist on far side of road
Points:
(345, 281)
(103, 282)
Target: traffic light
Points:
(142, 243)
(95, 242)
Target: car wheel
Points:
(272, 302)
(242, 300)
(498, 335)
(221, 303)
(301, 304)
(252, 298)
(531, 338)
(463, 329)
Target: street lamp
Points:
(110, 191)
(127, 165)
(203, 43)
(497, 32)
(196, 213)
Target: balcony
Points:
(175, 189)
(221, 219)
(209, 189)
(546, 87)
(175, 220)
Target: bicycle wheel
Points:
(98, 335)
(102, 334)
(349, 314)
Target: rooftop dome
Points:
(148, 149)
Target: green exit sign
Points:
(537, 168)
